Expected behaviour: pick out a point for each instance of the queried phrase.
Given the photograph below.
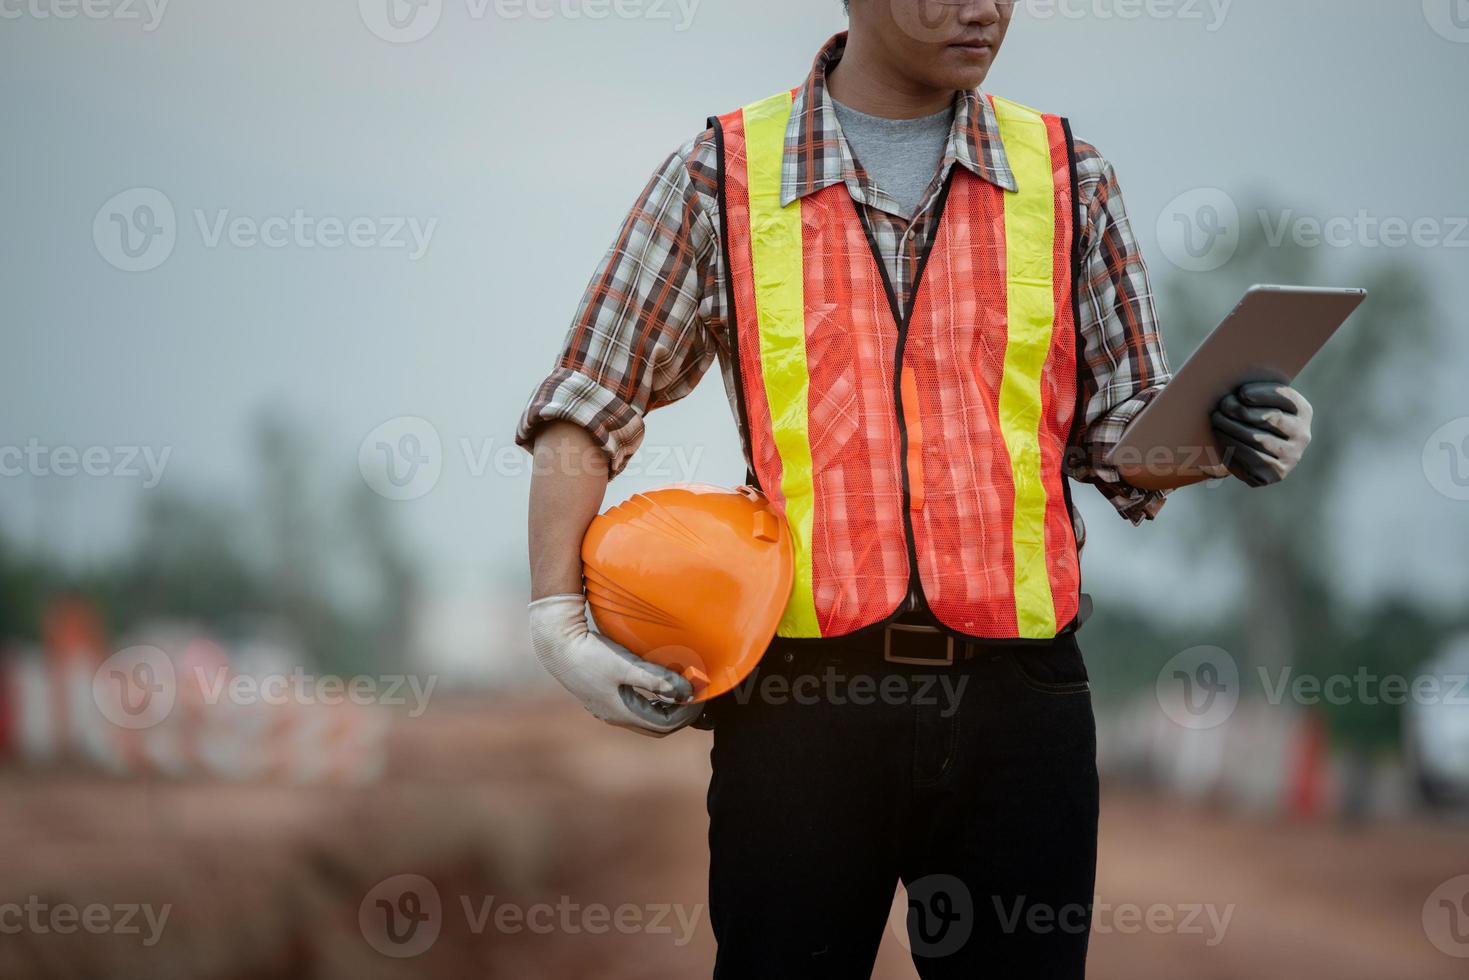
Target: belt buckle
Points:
(892, 658)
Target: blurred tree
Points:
(287, 555)
(186, 562)
(393, 579)
(24, 585)
(321, 546)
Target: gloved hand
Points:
(1263, 427)
(603, 675)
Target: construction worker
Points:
(930, 313)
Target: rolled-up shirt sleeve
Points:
(638, 340)
(1124, 364)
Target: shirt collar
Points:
(817, 155)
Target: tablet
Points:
(1269, 336)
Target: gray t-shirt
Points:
(901, 155)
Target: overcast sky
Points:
(493, 159)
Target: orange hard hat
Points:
(692, 577)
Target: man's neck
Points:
(863, 81)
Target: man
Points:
(930, 312)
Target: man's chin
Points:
(965, 68)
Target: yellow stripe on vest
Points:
(780, 305)
(1030, 236)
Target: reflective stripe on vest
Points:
(1030, 232)
(918, 456)
(776, 254)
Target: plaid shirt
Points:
(654, 317)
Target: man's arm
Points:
(1264, 428)
(639, 340)
(567, 486)
(1123, 363)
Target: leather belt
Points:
(922, 645)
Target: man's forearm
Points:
(566, 492)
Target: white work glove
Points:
(1264, 428)
(605, 677)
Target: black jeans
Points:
(975, 784)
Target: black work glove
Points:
(1264, 428)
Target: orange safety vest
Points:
(915, 457)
